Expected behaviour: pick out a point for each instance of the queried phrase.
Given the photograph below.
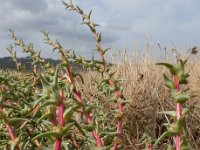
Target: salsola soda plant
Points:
(44, 109)
(177, 129)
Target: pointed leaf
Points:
(179, 97)
(171, 113)
(46, 134)
(162, 137)
(169, 66)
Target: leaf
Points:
(67, 128)
(102, 134)
(78, 127)
(46, 103)
(69, 112)
(79, 10)
(179, 97)
(99, 38)
(79, 75)
(55, 96)
(187, 110)
(162, 137)
(169, 83)
(55, 80)
(14, 120)
(89, 15)
(170, 147)
(171, 113)
(47, 134)
(169, 66)
(123, 102)
(36, 102)
(104, 51)
(89, 128)
(47, 115)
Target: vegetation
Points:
(44, 109)
(53, 106)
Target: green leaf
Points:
(99, 38)
(123, 102)
(169, 66)
(104, 51)
(179, 97)
(55, 80)
(79, 10)
(163, 136)
(78, 126)
(170, 147)
(69, 112)
(88, 128)
(14, 120)
(171, 113)
(47, 115)
(46, 103)
(67, 128)
(47, 134)
(187, 110)
(36, 102)
(89, 15)
(55, 96)
(102, 134)
(169, 83)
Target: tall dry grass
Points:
(144, 86)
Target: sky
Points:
(123, 24)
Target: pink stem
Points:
(61, 109)
(120, 109)
(119, 126)
(97, 138)
(58, 143)
(10, 131)
(150, 146)
(9, 128)
(78, 97)
(178, 114)
(60, 119)
(115, 146)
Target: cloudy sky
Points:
(124, 24)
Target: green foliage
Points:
(173, 82)
(40, 108)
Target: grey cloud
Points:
(35, 6)
(120, 21)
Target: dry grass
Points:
(144, 86)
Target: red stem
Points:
(60, 119)
(97, 138)
(58, 143)
(178, 114)
(78, 97)
(70, 75)
(120, 110)
(10, 131)
(9, 128)
(61, 109)
(150, 146)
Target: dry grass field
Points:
(144, 86)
